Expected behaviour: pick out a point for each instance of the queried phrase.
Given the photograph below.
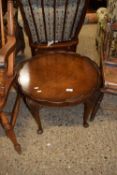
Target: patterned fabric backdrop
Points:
(49, 18)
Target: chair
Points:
(107, 46)
(109, 59)
(55, 75)
(7, 50)
(106, 41)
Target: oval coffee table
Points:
(58, 79)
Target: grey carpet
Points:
(65, 146)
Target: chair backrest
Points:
(52, 21)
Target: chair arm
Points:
(7, 50)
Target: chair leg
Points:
(15, 111)
(87, 111)
(99, 97)
(34, 109)
(9, 131)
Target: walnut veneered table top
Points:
(58, 77)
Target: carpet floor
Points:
(65, 147)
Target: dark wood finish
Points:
(96, 104)
(57, 72)
(34, 109)
(41, 46)
(7, 70)
(59, 79)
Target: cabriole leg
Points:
(34, 109)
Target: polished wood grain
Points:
(58, 77)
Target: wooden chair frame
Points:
(7, 70)
(108, 63)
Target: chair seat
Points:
(58, 77)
